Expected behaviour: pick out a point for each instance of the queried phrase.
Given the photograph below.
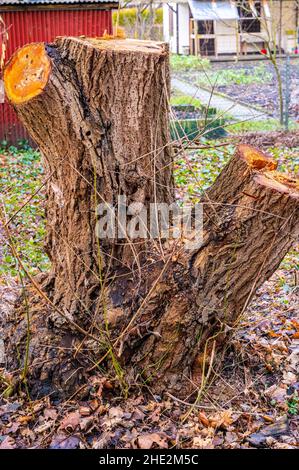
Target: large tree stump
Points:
(100, 124)
(150, 312)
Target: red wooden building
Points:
(41, 20)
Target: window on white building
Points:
(250, 16)
(205, 27)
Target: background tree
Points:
(143, 21)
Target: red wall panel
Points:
(34, 26)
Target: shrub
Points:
(242, 76)
(185, 99)
(128, 16)
(185, 63)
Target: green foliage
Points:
(20, 177)
(188, 63)
(197, 170)
(128, 16)
(159, 16)
(288, 159)
(194, 128)
(266, 125)
(293, 405)
(258, 74)
(254, 126)
(178, 100)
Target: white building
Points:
(230, 27)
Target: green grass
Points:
(177, 100)
(266, 125)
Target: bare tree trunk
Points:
(100, 124)
(279, 87)
(250, 223)
(149, 312)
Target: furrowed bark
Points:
(250, 223)
(100, 124)
(101, 120)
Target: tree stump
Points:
(145, 311)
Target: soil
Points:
(263, 95)
(270, 139)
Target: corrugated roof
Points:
(51, 2)
(210, 10)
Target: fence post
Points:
(287, 93)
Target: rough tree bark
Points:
(149, 312)
(98, 122)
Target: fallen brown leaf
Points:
(84, 411)
(203, 419)
(71, 421)
(221, 419)
(146, 441)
